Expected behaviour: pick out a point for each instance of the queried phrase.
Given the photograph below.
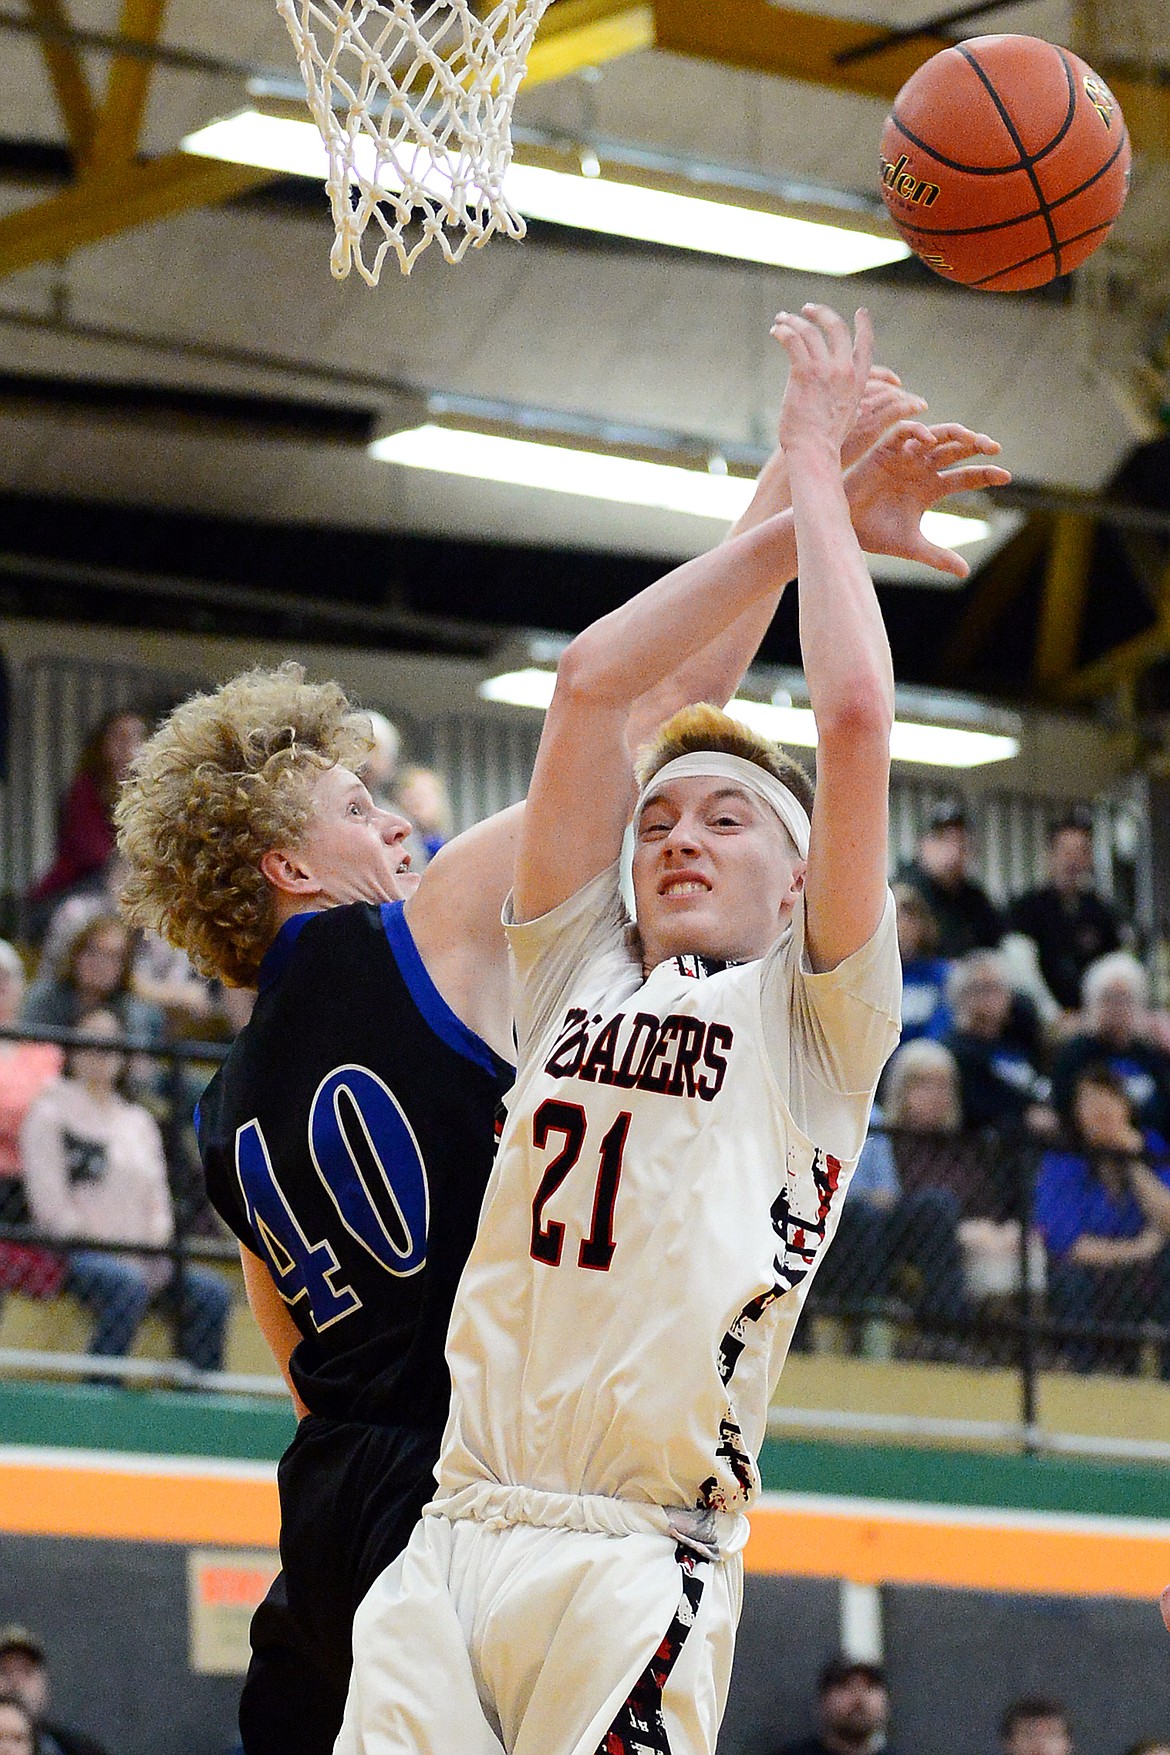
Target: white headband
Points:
(703, 763)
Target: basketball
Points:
(1004, 162)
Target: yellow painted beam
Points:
(803, 45)
(115, 140)
(125, 197)
(1119, 667)
(1062, 606)
(991, 595)
(587, 33)
(67, 76)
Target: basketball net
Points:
(414, 104)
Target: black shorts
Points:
(350, 1495)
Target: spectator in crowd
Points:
(17, 1731)
(1117, 1031)
(160, 973)
(1104, 1215)
(95, 1170)
(1035, 1726)
(853, 1711)
(422, 798)
(380, 768)
(1069, 923)
(941, 872)
(991, 1039)
(899, 1213)
(85, 832)
(24, 1676)
(924, 973)
(25, 1069)
(97, 971)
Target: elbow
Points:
(582, 669)
(864, 712)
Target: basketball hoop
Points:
(414, 104)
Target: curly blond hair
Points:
(227, 777)
(703, 727)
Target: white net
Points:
(414, 104)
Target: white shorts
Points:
(541, 1641)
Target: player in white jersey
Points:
(690, 1100)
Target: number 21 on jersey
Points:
(548, 1237)
(367, 1157)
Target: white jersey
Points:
(675, 1159)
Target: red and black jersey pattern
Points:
(801, 1237)
(640, 1728)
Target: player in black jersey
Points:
(348, 1136)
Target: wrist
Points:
(813, 452)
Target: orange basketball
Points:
(1004, 162)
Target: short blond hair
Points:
(226, 778)
(703, 727)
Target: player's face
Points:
(715, 872)
(353, 850)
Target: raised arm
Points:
(843, 641)
(715, 673)
(579, 799)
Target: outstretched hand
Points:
(906, 473)
(828, 373)
(884, 402)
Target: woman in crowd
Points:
(1103, 1210)
(96, 970)
(85, 833)
(25, 1069)
(95, 1171)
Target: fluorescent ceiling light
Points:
(936, 746)
(599, 475)
(587, 202)
(596, 475)
(694, 222)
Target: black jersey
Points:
(347, 1141)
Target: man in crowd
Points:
(941, 872)
(853, 1712)
(24, 1674)
(1035, 1726)
(1069, 923)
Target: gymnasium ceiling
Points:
(205, 364)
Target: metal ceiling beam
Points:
(125, 197)
(127, 88)
(1062, 604)
(585, 33)
(824, 50)
(66, 73)
(995, 590)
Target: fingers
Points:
(883, 375)
(943, 560)
(974, 479)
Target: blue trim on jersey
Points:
(426, 996)
(275, 959)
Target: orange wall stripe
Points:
(95, 1495)
(45, 1498)
(873, 1545)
